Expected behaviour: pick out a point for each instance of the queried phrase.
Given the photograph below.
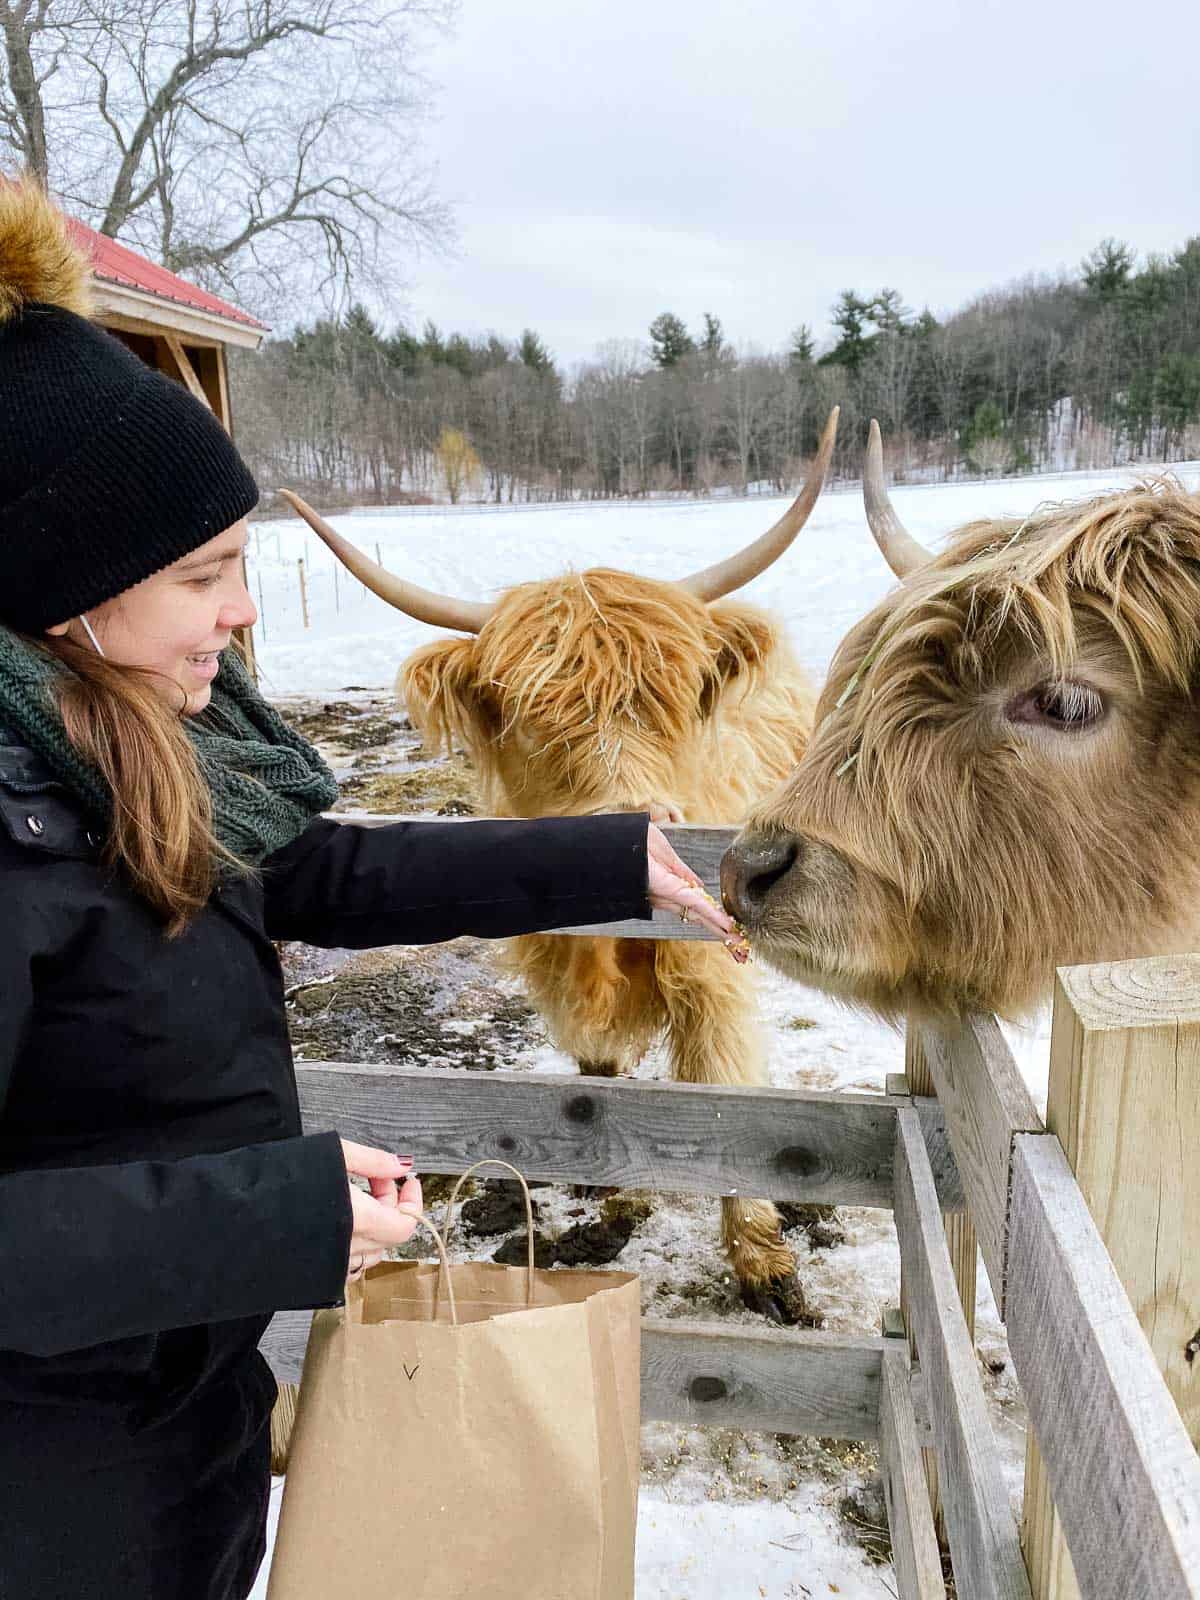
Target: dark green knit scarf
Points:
(267, 782)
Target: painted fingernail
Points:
(405, 1161)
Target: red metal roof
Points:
(116, 263)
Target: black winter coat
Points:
(157, 1200)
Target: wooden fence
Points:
(1113, 1475)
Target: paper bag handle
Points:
(491, 1161)
(418, 1216)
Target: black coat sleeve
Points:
(339, 885)
(90, 1254)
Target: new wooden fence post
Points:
(960, 1238)
(1124, 1102)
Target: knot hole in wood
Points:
(707, 1389)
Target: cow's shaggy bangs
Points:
(594, 650)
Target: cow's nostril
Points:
(768, 865)
(752, 868)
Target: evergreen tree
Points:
(713, 343)
(669, 340)
(432, 346)
(849, 316)
(494, 353)
(1106, 270)
(359, 325)
(1147, 296)
(533, 353)
(800, 346)
(888, 311)
(402, 350)
(458, 354)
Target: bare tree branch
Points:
(220, 137)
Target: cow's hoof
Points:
(780, 1300)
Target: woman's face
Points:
(176, 623)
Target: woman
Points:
(159, 828)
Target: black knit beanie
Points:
(109, 470)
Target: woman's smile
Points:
(205, 667)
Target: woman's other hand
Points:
(675, 887)
(378, 1224)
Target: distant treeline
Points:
(1087, 370)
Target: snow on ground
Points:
(722, 1513)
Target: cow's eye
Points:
(1068, 705)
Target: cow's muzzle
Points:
(757, 873)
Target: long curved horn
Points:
(900, 550)
(439, 610)
(726, 576)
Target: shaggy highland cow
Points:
(1005, 772)
(604, 691)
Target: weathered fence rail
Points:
(1113, 1473)
(835, 1149)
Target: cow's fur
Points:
(945, 845)
(603, 691)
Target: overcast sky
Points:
(608, 159)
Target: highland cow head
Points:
(1005, 770)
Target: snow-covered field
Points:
(753, 1518)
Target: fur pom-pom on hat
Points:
(39, 261)
(109, 470)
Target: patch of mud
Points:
(593, 1244)
(379, 760)
(820, 1224)
(759, 1466)
(338, 727)
(445, 787)
(500, 1209)
(514, 1252)
(440, 1006)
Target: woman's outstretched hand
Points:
(675, 887)
(378, 1225)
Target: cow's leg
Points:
(713, 1036)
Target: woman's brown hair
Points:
(162, 825)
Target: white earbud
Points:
(91, 635)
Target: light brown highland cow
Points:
(603, 691)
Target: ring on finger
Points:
(683, 915)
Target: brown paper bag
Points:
(466, 1430)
